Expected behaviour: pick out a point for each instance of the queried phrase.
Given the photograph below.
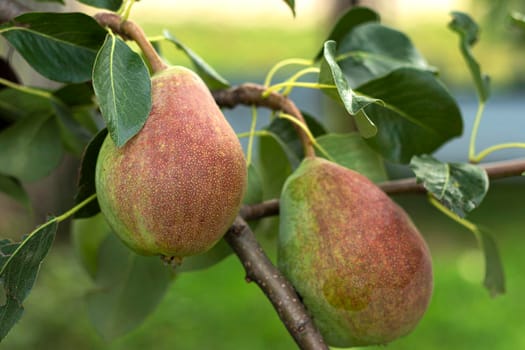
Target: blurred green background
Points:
(216, 308)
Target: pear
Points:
(354, 256)
(176, 186)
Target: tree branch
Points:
(497, 170)
(276, 287)
(252, 94)
(9, 9)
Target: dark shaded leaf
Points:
(123, 88)
(7, 72)
(332, 74)
(31, 148)
(15, 105)
(468, 32)
(112, 5)
(460, 187)
(494, 279)
(18, 270)
(74, 95)
(14, 189)
(373, 50)
(351, 151)
(213, 80)
(60, 46)
(74, 136)
(129, 287)
(86, 181)
(417, 115)
(351, 19)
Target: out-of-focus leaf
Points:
(351, 151)
(468, 32)
(112, 5)
(417, 114)
(460, 187)
(494, 279)
(213, 80)
(19, 265)
(351, 19)
(30, 148)
(14, 189)
(60, 46)
(518, 19)
(86, 181)
(291, 5)
(373, 50)
(129, 287)
(15, 105)
(123, 88)
(331, 74)
(73, 135)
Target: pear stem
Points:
(277, 288)
(128, 29)
(253, 94)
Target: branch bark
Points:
(279, 291)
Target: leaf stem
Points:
(475, 128)
(242, 135)
(317, 86)
(494, 148)
(298, 75)
(26, 89)
(465, 223)
(252, 134)
(283, 63)
(76, 208)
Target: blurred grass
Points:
(217, 309)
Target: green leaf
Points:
(87, 236)
(347, 22)
(16, 105)
(86, 181)
(291, 5)
(274, 166)
(31, 148)
(517, 19)
(332, 74)
(254, 189)
(460, 187)
(373, 50)
(75, 95)
(213, 80)
(123, 87)
(112, 5)
(14, 189)
(417, 115)
(60, 46)
(351, 151)
(468, 32)
(19, 265)
(494, 279)
(74, 136)
(129, 287)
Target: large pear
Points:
(176, 186)
(362, 268)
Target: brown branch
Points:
(497, 170)
(9, 9)
(252, 94)
(276, 287)
(130, 30)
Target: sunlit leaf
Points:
(460, 187)
(123, 88)
(60, 46)
(468, 32)
(331, 74)
(19, 265)
(213, 80)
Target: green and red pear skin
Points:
(355, 257)
(175, 188)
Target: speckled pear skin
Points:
(176, 186)
(355, 257)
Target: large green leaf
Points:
(112, 5)
(19, 265)
(468, 32)
(123, 88)
(373, 50)
(86, 181)
(351, 151)
(458, 186)
(129, 287)
(14, 189)
(417, 115)
(351, 19)
(213, 80)
(30, 148)
(60, 46)
(331, 74)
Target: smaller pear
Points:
(355, 257)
